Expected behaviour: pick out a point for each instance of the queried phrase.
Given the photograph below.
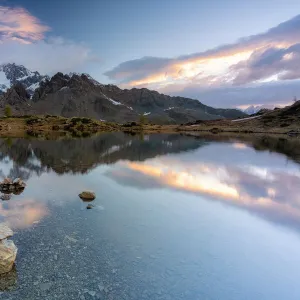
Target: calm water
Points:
(176, 217)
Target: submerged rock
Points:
(87, 195)
(8, 281)
(5, 197)
(90, 206)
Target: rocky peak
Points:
(75, 82)
(12, 73)
(16, 94)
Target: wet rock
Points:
(90, 206)
(5, 231)
(16, 187)
(20, 183)
(7, 181)
(87, 195)
(8, 253)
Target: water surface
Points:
(176, 217)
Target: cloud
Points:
(18, 24)
(270, 56)
(269, 93)
(23, 41)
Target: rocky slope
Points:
(81, 95)
(11, 74)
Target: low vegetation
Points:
(279, 121)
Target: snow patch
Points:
(64, 88)
(171, 107)
(114, 102)
(34, 86)
(4, 80)
(147, 113)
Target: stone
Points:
(5, 231)
(87, 195)
(8, 253)
(7, 181)
(90, 206)
(20, 183)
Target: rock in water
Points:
(87, 195)
(7, 181)
(19, 183)
(5, 231)
(8, 253)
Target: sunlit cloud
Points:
(24, 40)
(17, 24)
(242, 62)
(272, 56)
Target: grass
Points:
(84, 127)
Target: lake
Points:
(175, 217)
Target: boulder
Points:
(8, 253)
(87, 195)
(7, 181)
(19, 183)
(5, 231)
(9, 186)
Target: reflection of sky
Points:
(203, 221)
(260, 182)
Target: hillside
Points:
(82, 96)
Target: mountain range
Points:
(74, 94)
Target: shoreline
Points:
(35, 126)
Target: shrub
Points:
(7, 111)
(55, 127)
(32, 120)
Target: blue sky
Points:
(171, 46)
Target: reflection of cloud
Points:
(239, 146)
(23, 213)
(274, 195)
(186, 181)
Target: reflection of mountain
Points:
(289, 147)
(81, 155)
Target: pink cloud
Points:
(17, 24)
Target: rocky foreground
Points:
(8, 250)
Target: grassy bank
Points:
(83, 127)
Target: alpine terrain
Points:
(80, 95)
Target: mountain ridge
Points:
(80, 95)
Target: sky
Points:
(225, 53)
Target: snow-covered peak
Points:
(12, 73)
(251, 110)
